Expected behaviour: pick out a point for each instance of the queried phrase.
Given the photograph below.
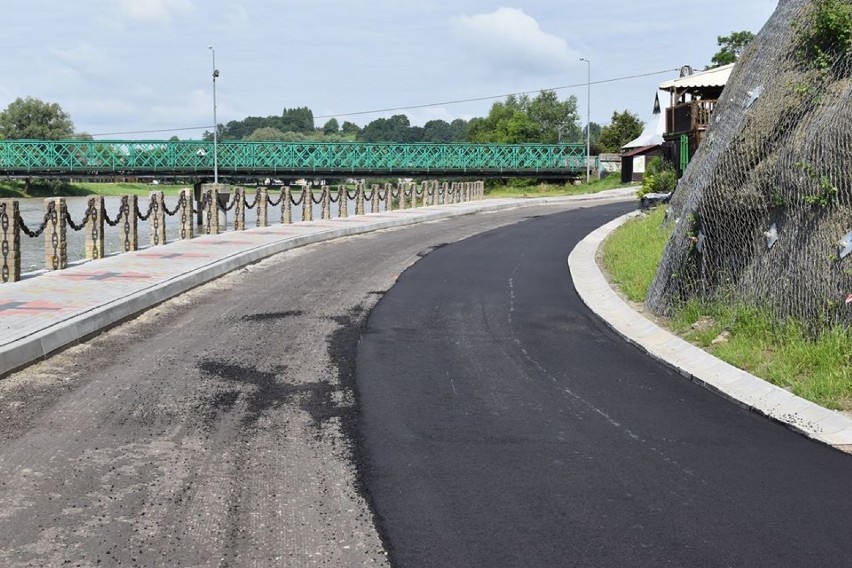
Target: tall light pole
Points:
(215, 121)
(588, 119)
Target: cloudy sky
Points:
(127, 66)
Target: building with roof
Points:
(636, 153)
(693, 98)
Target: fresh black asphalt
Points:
(502, 424)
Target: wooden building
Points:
(693, 98)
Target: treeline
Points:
(518, 119)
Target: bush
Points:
(660, 177)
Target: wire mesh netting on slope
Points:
(763, 214)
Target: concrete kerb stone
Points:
(68, 331)
(736, 385)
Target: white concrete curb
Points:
(803, 416)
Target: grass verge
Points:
(784, 353)
(519, 188)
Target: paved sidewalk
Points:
(48, 311)
(812, 420)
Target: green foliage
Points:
(299, 119)
(520, 119)
(632, 253)
(624, 127)
(265, 134)
(826, 192)
(732, 47)
(331, 126)
(660, 177)
(825, 34)
(783, 352)
(31, 118)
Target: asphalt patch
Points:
(273, 316)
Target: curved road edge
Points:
(694, 363)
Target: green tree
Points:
(624, 127)
(35, 119)
(507, 123)
(555, 119)
(731, 47)
(350, 128)
(299, 119)
(265, 134)
(518, 119)
(331, 127)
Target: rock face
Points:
(765, 206)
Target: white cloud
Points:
(509, 38)
(157, 11)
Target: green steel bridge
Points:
(245, 159)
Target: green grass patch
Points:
(522, 188)
(785, 353)
(14, 189)
(633, 252)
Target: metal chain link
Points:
(51, 207)
(254, 203)
(181, 202)
(314, 199)
(109, 221)
(148, 214)
(89, 212)
(272, 202)
(230, 206)
(351, 196)
(293, 199)
(334, 199)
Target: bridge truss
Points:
(195, 158)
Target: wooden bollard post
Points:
(359, 199)
(262, 204)
(55, 242)
(326, 203)
(342, 202)
(186, 213)
(239, 209)
(389, 196)
(374, 199)
(307, 204)
(157, 220)
(286, 206)
(129, 231)
(402, 201)
(94, 229)
(10, 241)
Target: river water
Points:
(33, 210)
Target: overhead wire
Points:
(414, 107)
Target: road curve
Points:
(502, 424)
(215, 429)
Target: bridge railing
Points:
(20, 157)
(203, 210)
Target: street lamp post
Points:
(588, 118)
(215, 122)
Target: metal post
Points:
(588, 117)
(215, 122)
